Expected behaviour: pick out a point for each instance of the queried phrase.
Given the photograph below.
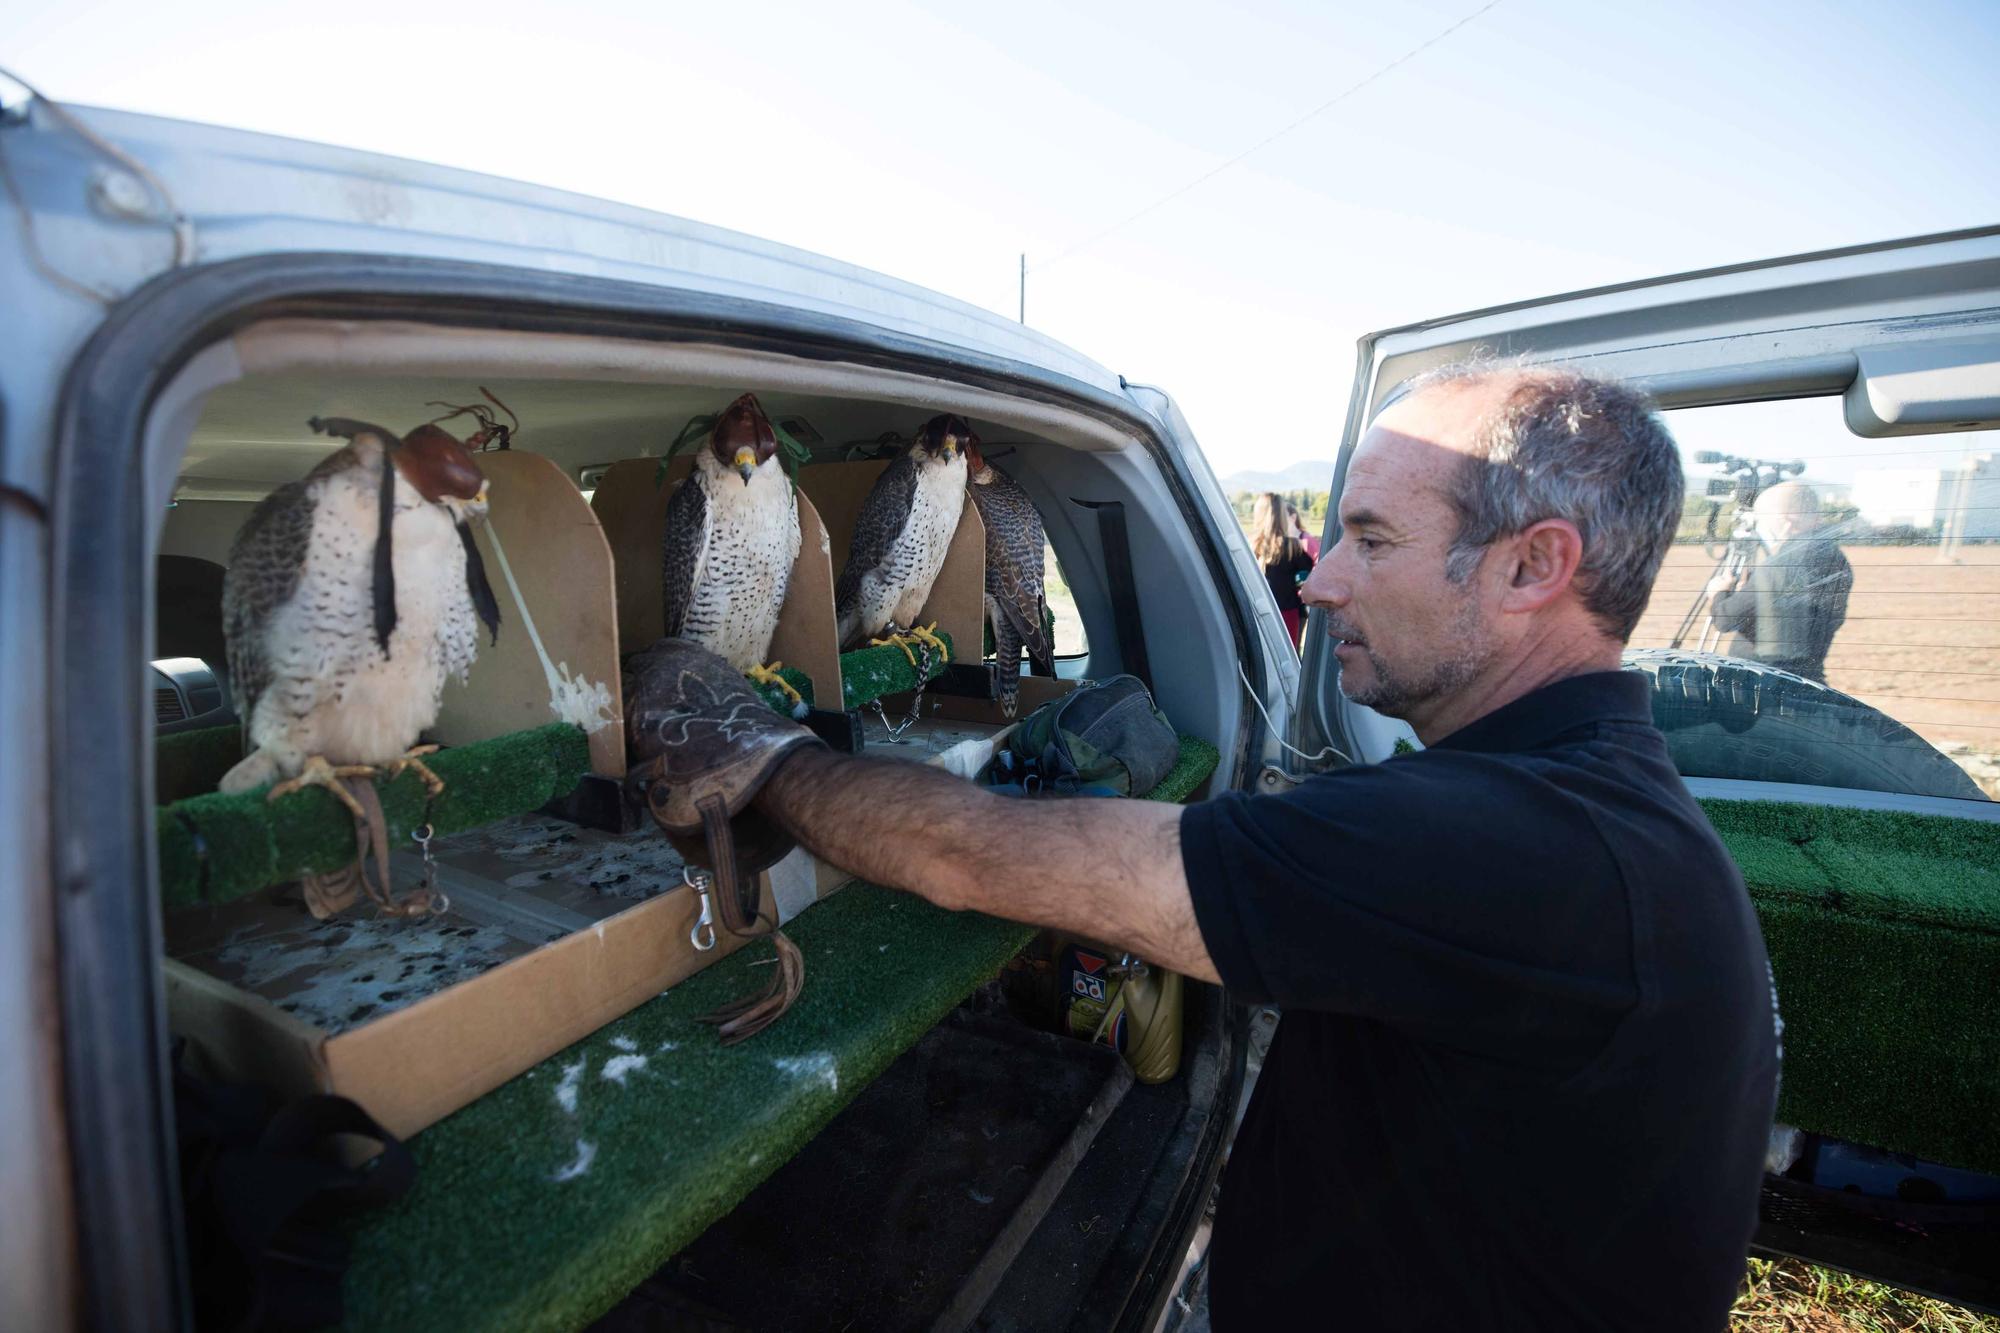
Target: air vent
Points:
(167, 707)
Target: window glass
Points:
(1069, 640)
(1829, 612)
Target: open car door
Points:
(1838, 713)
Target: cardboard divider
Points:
(958, 599)
(557, 656)
(633, 512)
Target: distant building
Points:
(1962, 502)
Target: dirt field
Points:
(1921, 642)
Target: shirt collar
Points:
(1539, 717)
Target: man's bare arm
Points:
(1108, 870)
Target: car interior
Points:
(989, 1164)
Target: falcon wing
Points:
(884, 515)
(683, 548)
(265, 562)
(1014, 541)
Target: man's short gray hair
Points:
(1565, 444)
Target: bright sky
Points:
(1545, 146)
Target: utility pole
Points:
(1024, 288)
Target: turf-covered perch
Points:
(870, 673)
(216, 848)
(777, 698)
(1884, 934)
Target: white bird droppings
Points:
(666, 1046)
(618, 1066)
(625, 1043)
(818, 1065)
(586, 1153)
(566, 1090)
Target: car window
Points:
(1829, 611)
(1069, 639)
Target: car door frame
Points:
(1776, 329)
(116, 1078)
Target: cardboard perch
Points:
(557, 655)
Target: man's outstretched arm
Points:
(1108, 870)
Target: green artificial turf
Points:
(215, 848)
(870, 673)
(493, 1237)
(1884, 934)
(777, 698)
(1197, 760)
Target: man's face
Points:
(1408, 636)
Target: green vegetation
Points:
(1310, 504)
(1786, 1296)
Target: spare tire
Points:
(1728, 717)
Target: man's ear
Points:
(1543, 557)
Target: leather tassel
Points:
(385, 560)
(483, 600)
(745, 1018)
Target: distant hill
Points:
(1312, 475)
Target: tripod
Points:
(1745, 479)
(1735, 558)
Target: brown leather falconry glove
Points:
(702, 743)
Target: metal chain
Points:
(924, 664)
(437, 901)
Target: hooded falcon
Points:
(351, 596)
(1015, 607)
(732, 533)
(901, 534)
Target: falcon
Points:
(732, 534)
(901, 534)
(1015, 607)
(352, 595)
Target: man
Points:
(1527, 1065)
(1791, 598)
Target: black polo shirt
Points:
(1527, 1064)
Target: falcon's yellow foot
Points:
(768, 675)
(319, 773)
(917, 634)
(433, 784)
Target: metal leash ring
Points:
(702, 936)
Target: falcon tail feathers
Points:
(385, 560)
(483, 600)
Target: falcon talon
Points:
(317, 772)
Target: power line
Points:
(1265, 142)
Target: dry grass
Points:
(1786, 1296)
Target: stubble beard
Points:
(1395, 692)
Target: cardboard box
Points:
(538, 949)
(415, 1019)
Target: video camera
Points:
(1744, 478)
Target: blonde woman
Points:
(1284, 559)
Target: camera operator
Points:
(1792, 595)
